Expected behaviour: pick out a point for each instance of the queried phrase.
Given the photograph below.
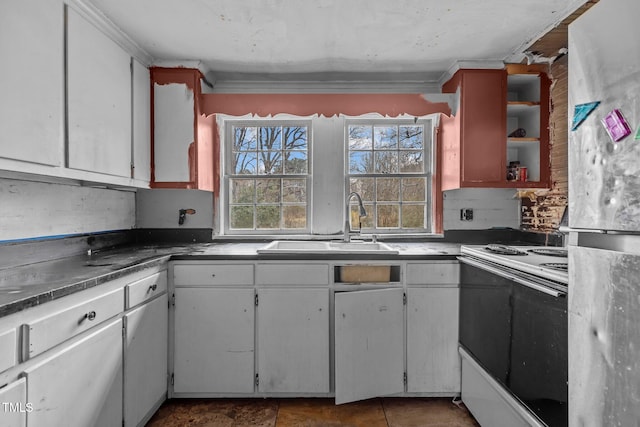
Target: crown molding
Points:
(489, 64)
(104, 24)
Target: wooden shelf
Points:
(522, 103)
(522, 140)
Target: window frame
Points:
(428, 149)
(228, 176)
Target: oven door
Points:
(516, 328)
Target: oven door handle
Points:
(528, 283)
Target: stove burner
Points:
(556, 265)
(504, 250)
(550, 252)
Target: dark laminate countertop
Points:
(37, 283)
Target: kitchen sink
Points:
(362, 247)
(303, 246)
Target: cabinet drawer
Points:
(292, 274)
(212, 274)
(145, 289)
(7, 349)
(433, 273)
(51, 330)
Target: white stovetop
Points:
(530, 263)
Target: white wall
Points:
(35, 209)
(159, 208)
(492, 207)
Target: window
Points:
(267, 176)
(290, 175)
(389, 166)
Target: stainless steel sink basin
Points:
(303, 246)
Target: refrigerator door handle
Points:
(513, 276)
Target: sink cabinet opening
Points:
(366, 273)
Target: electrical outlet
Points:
(466, 214)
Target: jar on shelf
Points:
(513, 171)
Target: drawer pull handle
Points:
(153, 287)
(90, 316)
(213, 275)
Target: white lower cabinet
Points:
(293, 329)
(145, 360)
(369, 344)
(13, 402)
(293, 340)
(213, 341)
(433, 364)
(79, 384)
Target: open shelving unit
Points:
(523, 112)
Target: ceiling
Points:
(331, 40)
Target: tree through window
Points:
(389, 165)
(268, 177)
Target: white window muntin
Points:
(280, 174)
(377, 173)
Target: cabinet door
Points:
(99, 100)
(141, 122)
(13, 398)
(31, 108)
(483, 124)
(80, 384)
(293, 340)
(214, 340)
(369, 344)
(433, 364)
(8, 350)
(145, 356)
(173, 136)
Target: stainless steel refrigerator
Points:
(604, 216)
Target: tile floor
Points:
(391, 412)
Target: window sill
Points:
(365, 236)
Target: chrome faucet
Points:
(347, 216)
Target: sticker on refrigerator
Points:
(581, 112)
(616, 125)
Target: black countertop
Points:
(34, 284)
(37, 283)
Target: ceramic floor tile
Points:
(426, 412)
(392, 412)
(324, 413)
(216, 413)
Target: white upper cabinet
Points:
(99, 100)
(75, 104)
(31, 81)
(141, 122)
